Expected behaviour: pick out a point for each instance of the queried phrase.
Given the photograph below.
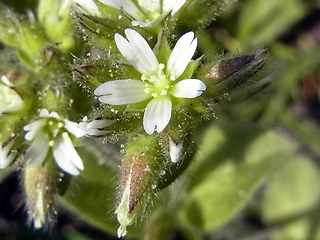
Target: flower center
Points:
(157, 84)
(53, 127)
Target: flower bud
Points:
(232, 74)
(40, 185)
(139, 176)
(27, 37)
(54, 17)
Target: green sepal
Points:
(91, 73)
(190, 69)
(140, 171)
(235, 75)
(162, 48)
(101, 31)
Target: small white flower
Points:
(94, 127)
(51, 131)
(10, 101)
(88, 5)
(146, 12)
(159, 83)
(6, 155)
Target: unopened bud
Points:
(40, 184)
(138, 180)
(227, 67)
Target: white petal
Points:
(54, 115)
(44, 113)
(100, 123)
(173, 5)
(127, 6)
(137, 52)
(157, 115)
(89, 5)
(119, 92)
(33, 129)
(141, 23)
(181, 54)
(94, 127)
(6, 81)
(150, 5)
(188, 88)
(73, 128)
(66, 156)
(38, 150)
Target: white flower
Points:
(146, 12)
(94, 127)
(6, 155)
(159, 83)
(10, 101)
(89, 6)
(51, 131)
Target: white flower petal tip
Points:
(66, 156)
(182, 54)
(189, 88)
(89, 6)
(119, 92)
(137, 51)
(73, 128)
(172, 5)
(175, 150)
(126, 5)
(95, 127)
(6, 81)
(157, 115)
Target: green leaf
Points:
(261, 21)
(297, 230)
(232, 162)
(293, 191)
